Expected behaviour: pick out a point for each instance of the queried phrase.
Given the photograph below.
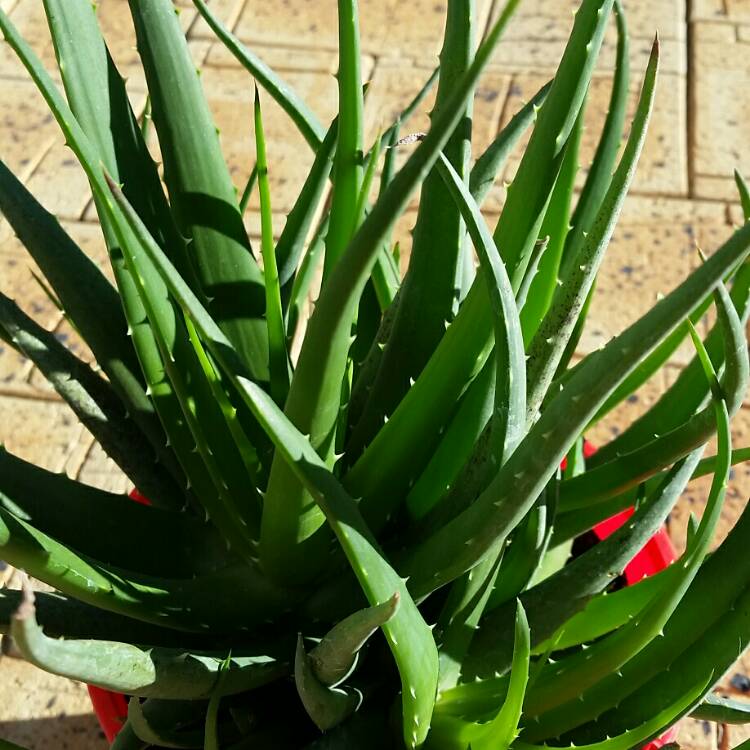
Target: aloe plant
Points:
(364, 545)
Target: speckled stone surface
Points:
(683, 196)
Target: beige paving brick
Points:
(544, 54)
(19, 284)
(707, 9)
(16, 280)
(279, 59)
(230, 93)
(714, 188)
(388, 27)
(41, 711)
(537, 19)
(59, 182)
(720, 116)
(27, 128)
(44, 432)
(738, 10)
(114, 19)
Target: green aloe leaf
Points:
(335, 656)
(159, 387)
(288, 100)
(690, 389)
(461, 543)
(545, 273)
(605, 613)
(635, 737)
(289, 545)
(291, 242)
(248, 189)
(608, 480)
(66, 617)
(231, 598)
(428, 293)
(744, 194)
(201, 193)
(409, 637)
(528, 195)
(461, 615)
(404, 444)
(572, 676)
(326, 706)
(278, 357)
(102, 524)
(100, 106)
(651, 365)
(722, 710)
(572, 523)
(347, 164)
(303, 279)
(603, 166)
(553, 601)
(648, 622)
(156, 672)
(510, 380)
(508, 420)
(456, 447)
(160, 730)
(92, 305)
(491, 162)
(93, 402)
(501, 730)
(551, 338)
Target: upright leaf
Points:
(278, 359)
(428, 294)
(290, 519)
(347, 165)
(528, 195)
(551, 339)
(200, 189)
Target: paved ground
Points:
(683, 196)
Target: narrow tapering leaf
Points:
(315, 393)
(278, 358)
(288, 100)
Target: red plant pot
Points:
(112, 708)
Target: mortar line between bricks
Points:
(87, 453)
(690, 113)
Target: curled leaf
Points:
(327, 707)
(333, 659)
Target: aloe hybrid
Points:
(364, 545)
